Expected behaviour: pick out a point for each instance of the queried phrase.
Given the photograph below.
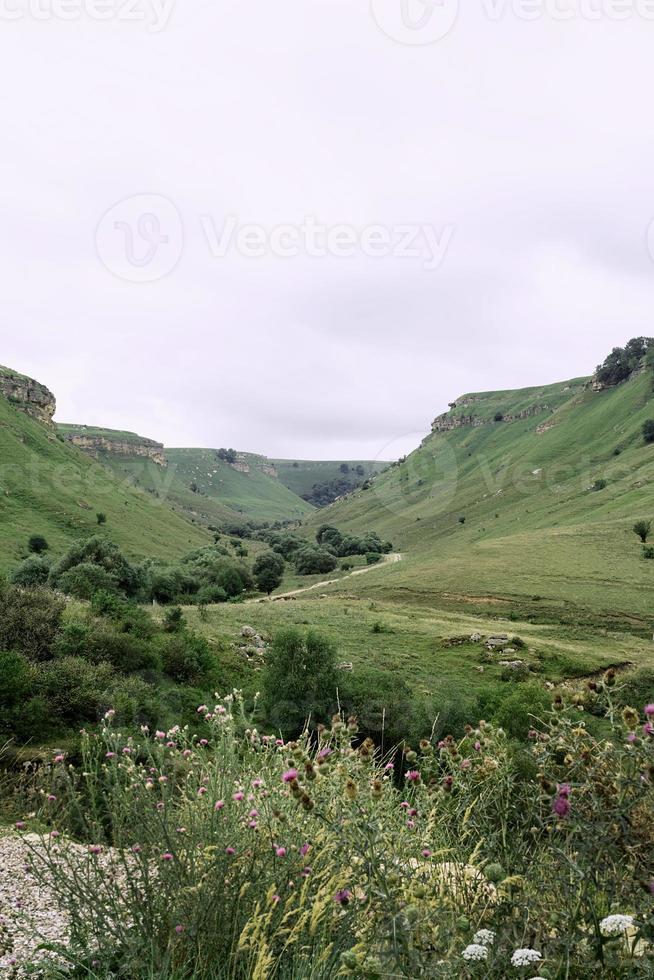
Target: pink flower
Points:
(95, 849)
(389, 765)
(410, 824)
(170, 745)
(180, 830)
(280, 852)
(202, 710)
(561, 806)
(136, 848)
(254, 813)
(230, 850)
(343, 896)
(127, 750)
(110, 755)
(413, 776)
(163, 779)
(426, 853)
(257, 783)
(179, 929)
(54, 833)
(289, 775)
(159, 734)
(238, 796)
(564, 789)
(477, 746)
(202, 790)
(304, 850)
(648, 729)
(275, 899)
(60, 757)
(253, 825)
(167, 856)
(405, 805)
(51, 798)
(219, 804)
(649, 710)
(204, 741)
(186, 753)
(20, 825)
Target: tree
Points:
(31, 572)
(314, 561)
(642, 529)
(98, 551)
(344, 468)
(299, 681)
(101, 518)
(37, 544)
(268, 571)
(648, 430)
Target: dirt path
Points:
(388, 560)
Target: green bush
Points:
(648, 431)
(187, 658)
(268, 571)
(103, 553)
(299, 681)
(84, 580)
(16, 683)
(30, 620)
(75, 690)
(33, 571)
(518, 713)
(372, 557)
(314, 561)
(37, 544)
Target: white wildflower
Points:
(484, 937)
(525, 957)
(475, 952)
(616, 925)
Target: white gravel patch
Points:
(29, 912)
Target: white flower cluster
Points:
(484, 937)
(616, 925)
(525, 957)
(475, 952)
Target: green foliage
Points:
(101, 518)
(372, 557)
(648, 430)
(299, 681)
(84, 580)
(29, 621)
(268, 571)
(187, 658)
(33, 571)
(37, 544)
(623, 361)
(173, 620)
(521, 710)
(648, 553)
(314, 561)
(106, 555)
(642, 530)
(599, 485)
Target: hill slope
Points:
(317, 480)
(497, 506)
(50, 488)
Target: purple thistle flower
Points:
(289, 775)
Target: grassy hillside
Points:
(535, 532)
(208, 490)
(49, 488)
(301, 475)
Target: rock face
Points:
(28, 395)
(447, 422)
(245, 461)
(97, 444)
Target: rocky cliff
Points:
(98, 442)
(28, 395)
(448, 422)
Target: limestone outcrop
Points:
(28, 395)
(100, 443)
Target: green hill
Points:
(50, 488)
(197, 483)
(522, 499)
(316, 480)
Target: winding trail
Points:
(388, 560)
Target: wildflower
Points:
(257, 783)
(238, 796)
(616, 925)
(525, 957)
(127, 750)
(649, 710)
(448, 783)
(376, 789)
(204, 741)
(413, 776)
(54, 833)
(167, 856)
(51, 798)
(280, 852)
(159, 734)
(484, 937)
(426, 853)
(179, 929)
(202, 710)
(219, 804)
(306, 872)
(253, 813)
(180, 830)
(289, 776)
(648, 729)
(343, 896)
(60, 757)
(95, 849)
(275, 899)
(20, 825)
(230, 850)
(561, 806)
(253, 824)
(109, 755)
(136, 848)
(163, 779)
(304, 850)
(108, 715)
(475, 953)
(389, 766)
(202, 790)
(186, 753)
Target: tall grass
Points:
(235, 855)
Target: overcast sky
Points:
(512, 158)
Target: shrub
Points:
(33, 571)
(642, 529)
(299, 681)
(187, 658)
(30, 620)
(518, 713)
(314, 561)
(648, 553)
(74, 689)
(101, 518)
(99, 551)
(83, 581)
(173, 620)
(16, 682)
(599, 485)
(373, 557)
(268, 571)
(37, 544)
(210, 595)
(648, 431)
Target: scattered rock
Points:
(345, 666)
(247, 631)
